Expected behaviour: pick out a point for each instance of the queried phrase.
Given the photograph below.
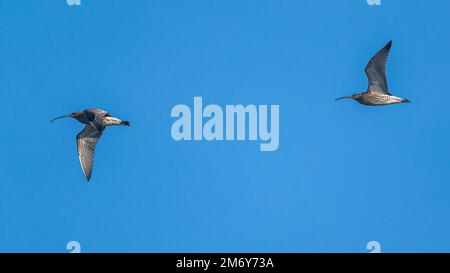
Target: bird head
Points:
(72, 115)
(354, 97)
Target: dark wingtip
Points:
(406, 100)
(126, 123)
(389, 44)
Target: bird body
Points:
(378, 99)
(377, 92)
(96, 121)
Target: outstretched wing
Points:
(86, 141)
(376, 71)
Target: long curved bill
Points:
(346, 97)
(66, 116)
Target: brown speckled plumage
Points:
(96, 121)
(377, 91)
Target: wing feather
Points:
(376, 71)
(95, 117)
(86, 141)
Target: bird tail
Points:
(405, 100)
(115, 121)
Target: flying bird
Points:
(96, 121)
(377, 92)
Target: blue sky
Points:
(343, 175)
